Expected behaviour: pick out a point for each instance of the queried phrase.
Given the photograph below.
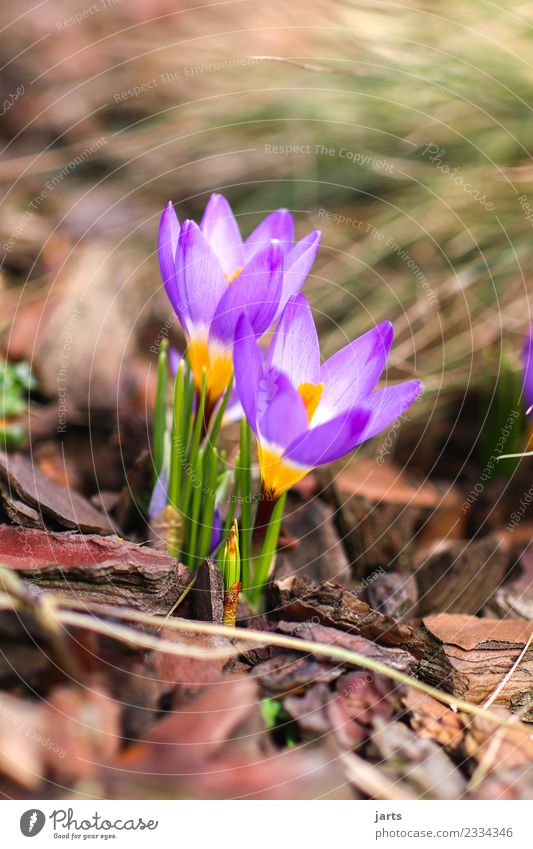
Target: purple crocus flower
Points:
(305, 414)
(212, 276)
(527, 360)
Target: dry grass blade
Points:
(242, 637)
(494, 695)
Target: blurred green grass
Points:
(361, 89)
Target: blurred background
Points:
(402, 131)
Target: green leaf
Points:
(270, 711)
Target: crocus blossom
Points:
(305, 414)
(211, 275)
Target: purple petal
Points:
(256, 290)
(527, 359)
(169, 230)
(201, 281)
(295, 349)
(281, 413)
(234, 411)
(387, 404)
(278, 225)
(158, 501)
(217, 530)
(223, 234)
(248, 368)
(328, 441)
(297, 265)
(174, 359)
(352, 373)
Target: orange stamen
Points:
(311, 394)
(233, 276)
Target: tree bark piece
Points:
(378, 512)
(395, 658)
(500, 748)
(63, 506)
(290, 673)
(469, 658)
(330, 604)
(418, 762)
(515, 597)
(393, 594)
(460, 576)
(432, 719)
(95, 568)
(17, 511)
(207, 595)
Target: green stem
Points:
(210, 486)
(244, 474)
(178, 448)
(192, 525)
(195, 445)
(265, 560)
(217, 422)
(189, 393)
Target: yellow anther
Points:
(233, 276)
(311, 394)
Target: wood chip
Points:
(460, 576)
(320, 712)
(378, 511)
(432, 719)
(499, 747)
(470, 657)
(393, 594)
(395, 658)
(316, 551)
(58, 503)
(104, 569)
(417, 761)
(207, 595)
(18, 512)
(290, 673)
(515, 597)
(330, 604)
